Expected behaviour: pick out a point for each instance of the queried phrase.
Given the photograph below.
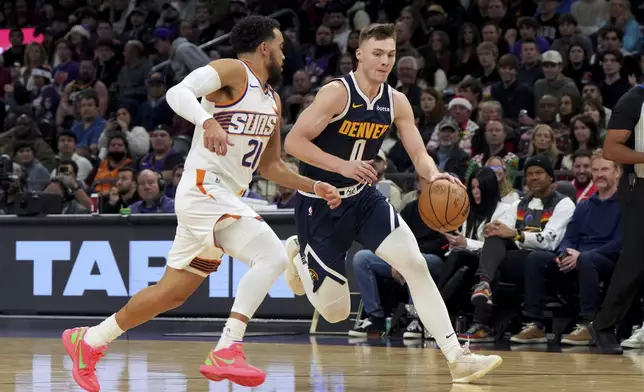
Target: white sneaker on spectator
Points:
(292, 277)
(469, 367)
(636, 340)
(414, 330)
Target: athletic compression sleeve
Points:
(182, 98)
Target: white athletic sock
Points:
(400, 250)
(233, 333)
(104, 333)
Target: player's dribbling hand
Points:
(329, 193)
(445, 176)
(361, 171)
(215, 138)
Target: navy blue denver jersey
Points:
(355, 134)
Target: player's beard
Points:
(274, 72)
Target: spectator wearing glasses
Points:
(504, 175)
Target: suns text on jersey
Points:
(252, 124)
(363, 130)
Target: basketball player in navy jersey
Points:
(336, 139)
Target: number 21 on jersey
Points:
(251, 158)
(358, 150)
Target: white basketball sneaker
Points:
(292, 277)
(469, 367)
(636, 340)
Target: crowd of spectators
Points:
(511, 96)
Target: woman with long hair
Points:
(543, 142)
(432, 109)
(569, 106)
(504, 176)
(465, 246)
(584, 136)
(465, 60)
(595, 110)
(578, 67)
(35, 57)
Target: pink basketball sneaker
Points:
(230, 363)
(84, 357)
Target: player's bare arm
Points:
(329, 102)
(213, 81)
(413, 142)
(273, 168)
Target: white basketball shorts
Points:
(201, 202)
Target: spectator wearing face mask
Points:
(117, 158)
(153, 201)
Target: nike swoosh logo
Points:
(450, 335)
(356, 106)
(254, 86)
(226, 361)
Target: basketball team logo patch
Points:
(314, 275)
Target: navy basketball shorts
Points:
(325, 235)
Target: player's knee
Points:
(400, 249)
(170, 297)
(333, 301)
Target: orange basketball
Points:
(443, 205)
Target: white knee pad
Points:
(332, 299)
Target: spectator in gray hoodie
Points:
(554, 83)
(184, 56)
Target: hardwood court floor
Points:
(41, 365)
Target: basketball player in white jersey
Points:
(349, 112)
(236, 132)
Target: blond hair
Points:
(553, 153)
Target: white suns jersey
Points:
(250, 120)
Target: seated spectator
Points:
(451, 158)
(122, 195)
(530, 70)
(504, 175)
(613, 85)
(88, 130)
(153, 200)
(554, 83)
(460, 111)
(472, 90)
(582, 173)
(78, 88)
(512, 95)
(487, 54)
(542, 142)
(162, 158)
(67, 151)
(590, 14)
(528, 28)
(465, 246)
(569, 107)
(584, 137)
(432, 111)
(368, 266)
(494, 146)
(70, 193)
(621, 16)
(67, 69)
(591, 246)
(578, 65)
(546, 114)
(591, 91)
(117, 158)
(36, 174)
(535, 222)
(138, 139)
(155, 110)
(184, 56)
(388, 188)
(594, 110)
(177, 173)
(567, 27)
(26, 131)
(133, 73)
(45, 97)
(68, 167)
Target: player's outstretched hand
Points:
(329, 193)
(445, 176)
(361, 171)
(215, 138)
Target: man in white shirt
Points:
(67, 150)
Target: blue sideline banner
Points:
(92, 265)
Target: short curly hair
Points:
(252, 31)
